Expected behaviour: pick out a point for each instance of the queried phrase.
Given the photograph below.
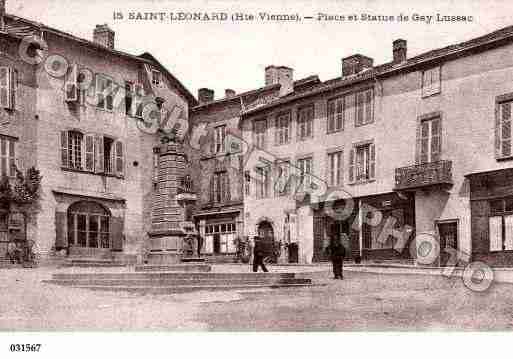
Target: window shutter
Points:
(340, 171)
(508, 232)
(372, 161)
(339, 123)
(436, 80)
(498, 142)
(331, 115)
(116, 233)
(505, 125)
(61, 237)
(227, 187)
(119, 158)
(100, 165)
(359, 108)
(368, 106)
(71, 84)
(495, 230)
(436, 139)
(211, 192)
(14, 88)
(5, 87)
(89, 152)
(351, 165)
(64, 149)
(418, 147)
(137, 101)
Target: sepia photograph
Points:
(251, 167)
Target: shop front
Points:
(491, 203)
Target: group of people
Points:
(335, 250)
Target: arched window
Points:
(88, 225)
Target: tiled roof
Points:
(21, 27)
(391, 67)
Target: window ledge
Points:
(67, 169)
(363, 124)
(504, 158)
(431, 94)
(334, 131)
(361, 182)
(305, 138)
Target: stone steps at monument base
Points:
(188, 288)
(174, 268)
(173, 275)
(92, 263)
(176, 282)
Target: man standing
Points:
(258, 255)
(337, 253)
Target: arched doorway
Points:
(265, 231)
(89, 225)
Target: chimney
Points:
(2, 15)
(104, 36)
(280, 75)
(229, 93)
(205, 95)
(399, 48)
(355, 63)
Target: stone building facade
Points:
(83, 123)
(386, 153)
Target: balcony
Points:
(424, 175)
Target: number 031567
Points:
(25, 347)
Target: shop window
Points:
(500, 225)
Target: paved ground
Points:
(363, 301)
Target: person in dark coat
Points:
(337, 253)
(258, 256)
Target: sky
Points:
(221, 55)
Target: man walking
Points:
(337, 253)
(258, 255)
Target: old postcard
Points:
(293, 166)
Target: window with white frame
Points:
(364, 107)
(336, 114)
(430, 140)
(91, 153)
(260, 133)
(220, 238)
(8, 87)
(335, 174)
(305, 118)
(282, 129)
(362, 163)
(219, 138)
(431, 81)
(503, 142)
(220, 187)
(104, 92)
(283, 178)
(7, 156)
(137, 101)
(263, 179)
(501, 224)
(304, 166)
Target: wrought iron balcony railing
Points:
(426, 174)
(186, 185)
